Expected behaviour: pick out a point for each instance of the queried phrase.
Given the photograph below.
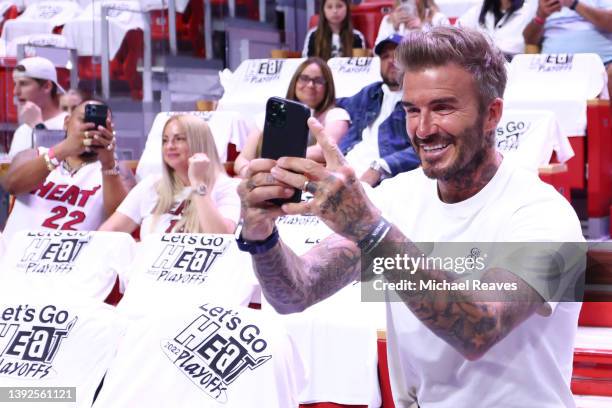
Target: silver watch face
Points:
(201, 189)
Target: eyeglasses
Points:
(305, 80)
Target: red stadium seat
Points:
(123, 67)
(366, 18)
(9, 14)
(190, 23)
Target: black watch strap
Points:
(255, 247)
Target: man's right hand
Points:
(548, 7)
(255, 190)
(30, 114)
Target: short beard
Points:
(390, 82)
(464, 168)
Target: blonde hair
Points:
(199, 140)
(425, 9)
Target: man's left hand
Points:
(338, 197)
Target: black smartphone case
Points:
(285, 134)
(96, 113)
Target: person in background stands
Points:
(71, 99)
(37, 93)
(503, 20)
(74, 185)
(410, 15)
(193, 194)
(377, 145)
(573, 26)
(313, 85)
(334, 35)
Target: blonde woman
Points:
(410, 15)
(192, 195)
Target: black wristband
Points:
(255, 247)
(573, 5)
(40, 126)
(374, 237)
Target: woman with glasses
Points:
(313, 85)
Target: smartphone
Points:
(285, 134)
(96, 113)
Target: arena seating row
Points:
(125, 34)
(67, 273)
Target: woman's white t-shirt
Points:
(386, 26)
(142, 199)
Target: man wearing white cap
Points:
(37, 94)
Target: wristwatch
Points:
(40, 126)
(377, 166)
(201, 189)
(255, 247)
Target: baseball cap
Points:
(39, 68)
(392, 39)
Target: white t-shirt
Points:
(330, 115)
(206, 354)
(177, 268)
(49, 341)
(142, 199)
(386, 27)
(62, 202)
(532, 365)
(69, 262)
(22, 138)
(366, 151)
(507, 34)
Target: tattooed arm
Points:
(292, 283)
(465, 319)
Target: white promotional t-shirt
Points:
(532, 365)
(207, 354)
(49, 341)
(173, 268)
(386, 27)
(142, 199)
(69, 262)
(331, 333)
(62, 202)
(507, 33)
(23, 139)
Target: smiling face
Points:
(175, 148)
(449, 131)
(310, 86)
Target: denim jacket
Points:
(393, 142)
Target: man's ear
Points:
(493, 114)
(66, 120)
(47, 87)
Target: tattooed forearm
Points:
(465, 319)
(291, 284)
